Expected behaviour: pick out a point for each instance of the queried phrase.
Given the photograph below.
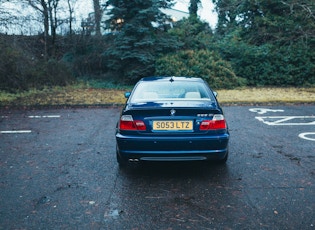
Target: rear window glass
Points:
(151, 91)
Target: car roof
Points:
(171, 78)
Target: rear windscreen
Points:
(151, 91)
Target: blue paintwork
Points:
(149, 145)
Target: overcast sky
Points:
(205, 11)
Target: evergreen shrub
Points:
(199, 63)
(270, 64)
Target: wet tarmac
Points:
(58, 170)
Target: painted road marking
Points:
(287, 120)
(304, 136)
(263, 110)
(16, 132)
(47, 116)
(27, 131)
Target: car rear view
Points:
(171, 119)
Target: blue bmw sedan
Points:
(171, 119)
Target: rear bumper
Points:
(195, 148)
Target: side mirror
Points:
(215, 93)
(127, 94)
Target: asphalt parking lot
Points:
(58, 170)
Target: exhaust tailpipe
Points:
(134, 160)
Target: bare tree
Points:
(53, 4)
(52, 9)
(5, 16)
(98, 16)
(42, 7)
(11, 16)
(48, 9)
(71, 4)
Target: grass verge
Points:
(86, 96)
(268, 96)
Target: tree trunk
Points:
(46, 26)
(98, 16)
(70, 8)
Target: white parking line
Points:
(47, 116)
(304, 136)
(16, 131)
(26, 131)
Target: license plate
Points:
(172, 125)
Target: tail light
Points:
(217, 122)
(127, 123)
